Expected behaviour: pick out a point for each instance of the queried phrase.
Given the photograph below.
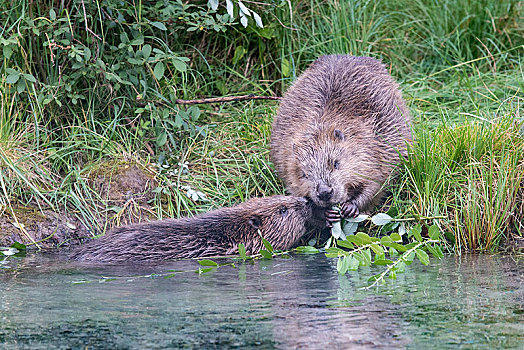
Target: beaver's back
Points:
(279, 219)
(344, 91)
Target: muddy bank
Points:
(121, 197)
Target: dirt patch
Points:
(47, 227)
(122, 194)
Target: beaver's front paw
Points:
(331, 217)
(349, 210)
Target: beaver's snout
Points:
(324, 192)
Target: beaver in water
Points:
(279, 219)
(338, 134)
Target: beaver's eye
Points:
(283, 211)
(336, 164)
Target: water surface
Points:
(459, 302)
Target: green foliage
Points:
(359, 249)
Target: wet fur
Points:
(280, 219)
(342, 109)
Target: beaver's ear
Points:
(339, 135)
(255, 221)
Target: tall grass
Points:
(69, 117)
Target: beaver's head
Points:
(279, 219)
(330, 166)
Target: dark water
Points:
(471, 302)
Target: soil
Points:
(125, 189)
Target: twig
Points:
(226, 99)
(85, 22)
(402, 258)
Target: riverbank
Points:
(81, 108)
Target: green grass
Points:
(459, 63)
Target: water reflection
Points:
(469, 301)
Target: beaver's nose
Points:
(324, 192)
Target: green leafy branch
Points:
(406, 259)
(358, 247)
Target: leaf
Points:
(243, 20)
(395, 237)
(265, 254)
(422, 256)
(20, 87)
(135, 61)
(161, 139)
(345, 244)
(146, 51)
(240, 51)
(381, 262)
(12, 78)
(416, 232)
(334, 252)
(208, 269)
(439, 251)
(159, 70)
(359, 218)
(18, 246)
(409, 258)
(450, 236)
(342, 265)
(386, 239)
(377, 249)
(213, 4)
(159, 25)
(306, 250)
(268, 245)
(402, 229)
(401, 267)
(243, 8)
(374, 278)
(434, 232)
(353, 264)
(179, 65)
(381, 219)
(194, 111)
(365, 238)
(8, 52)
(242, 250)
(18, 225)
(336, 230)
(350, 228)
(52, 14)
(70, 225)
(286, 67)
(30, 78)
(229, 8)
(366, 254)
(258, 20)
(207, 262)
(10, 251)
(435, 251)
(328, 243)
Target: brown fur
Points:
(341, 126)
(280, 219)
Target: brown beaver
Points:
(279, 219)
(338, 133)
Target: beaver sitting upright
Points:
(338, 133)
(279, 219)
